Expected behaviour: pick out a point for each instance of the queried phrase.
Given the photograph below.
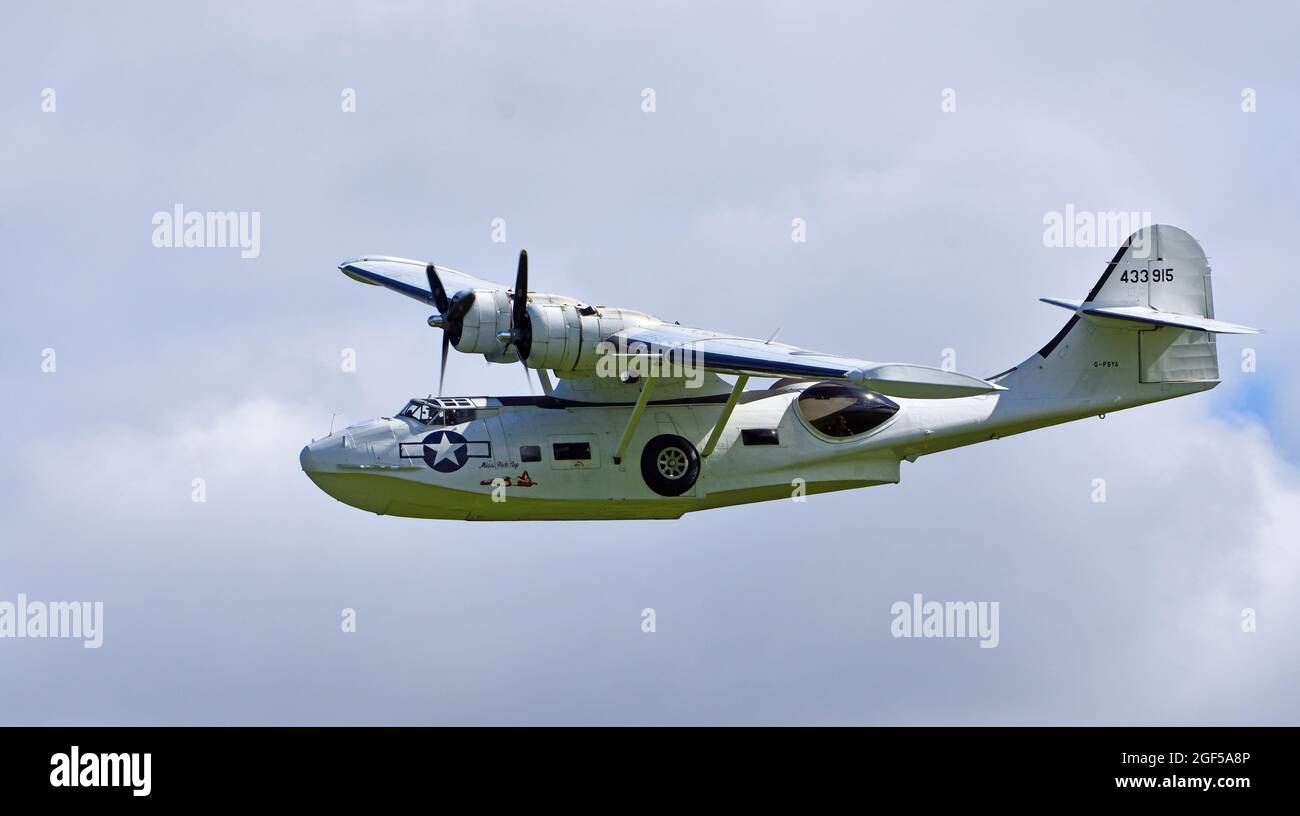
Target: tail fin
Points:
(1145, 332)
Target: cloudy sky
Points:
(924, 232)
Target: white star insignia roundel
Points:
(445, 451)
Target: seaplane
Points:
(640, 422)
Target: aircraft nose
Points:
(326, 463)
(313, 458)
(322, 455)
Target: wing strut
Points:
(741, 381)
(641, 402)
(545, 380)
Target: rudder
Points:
(1145, 331)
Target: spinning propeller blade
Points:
(435, 289)
(521, 327)
(450, 317)
(442, 370)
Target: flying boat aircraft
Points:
(641, 424)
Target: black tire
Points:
(670, 465)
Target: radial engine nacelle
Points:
(564, 335)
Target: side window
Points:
(841, 411)
(568, 451)
(759, 436)
(459, 416)
(530, 453)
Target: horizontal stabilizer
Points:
(1151, 317)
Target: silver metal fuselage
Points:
(384, 465)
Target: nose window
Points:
(841, 411)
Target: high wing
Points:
(408, 277)
(742, 355)
(712, 351)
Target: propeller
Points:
(521, 325)
(450, 317)
(452, 311)
(435, 289)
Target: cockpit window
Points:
(840, 410)
(423, 412)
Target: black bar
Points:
(331, 765)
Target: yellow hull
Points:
(391, 496)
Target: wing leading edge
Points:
(407, 277)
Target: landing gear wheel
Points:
(670, 465)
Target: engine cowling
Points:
(567, 335)
(489, 315)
